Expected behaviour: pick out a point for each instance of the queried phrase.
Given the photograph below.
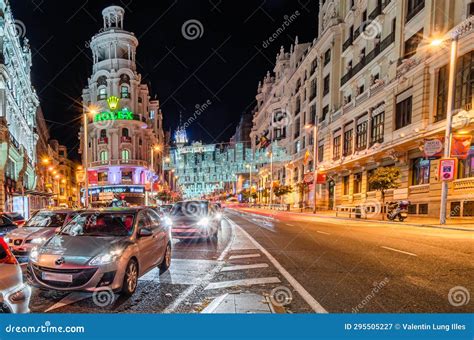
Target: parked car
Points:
(165, 208)
(17, 218)
(6, 225)
(194, 219)
(101, 249)
(37, 230)
(14, 294)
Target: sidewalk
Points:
(244, 303)
(417, 221)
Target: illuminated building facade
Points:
(18, 105)
(124, 123)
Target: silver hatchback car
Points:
(104, 249)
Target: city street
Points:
(323, 265)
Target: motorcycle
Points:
(397, 210)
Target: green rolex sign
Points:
(117, 115)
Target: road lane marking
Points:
(244, 266)
(69, 300)
(322, 232)
(244, 256)
(290, 225)
(311, 301)
(399, 251)
(214, 304)
(184, 295)
(244, 282)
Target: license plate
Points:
(56, 277)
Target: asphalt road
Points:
(319, 265)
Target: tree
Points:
(384, 179)
(282, 190)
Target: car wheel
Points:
(130, 279)
(4, 309)
(166, 263)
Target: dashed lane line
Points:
(399, 251)
(244, 267)
(322, 232)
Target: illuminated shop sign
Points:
(113, 103)
(118, 190)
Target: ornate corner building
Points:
(377, 91)
(124, 123)
(18, 105)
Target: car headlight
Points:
(218, 216)
(39, 240)
(34, 254)
(203, 222)
(105, 258)
(6, 239)
(167, 221)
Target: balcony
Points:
(463, 184)
(347, 43)
(130, 162)
(376, 12)
(385, 3)
(126, 139)
(419, 189)
(103, 140)
(415, 10)
(368, 58)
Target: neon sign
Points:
(113, 103)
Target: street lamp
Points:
(271, 174)
(249, 166)
(449, 118)
(92, 110)
(315, 161)
(154, 148)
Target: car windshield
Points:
(100, 224)
(190, 209)
(47, 219)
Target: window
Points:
(411, 45)
(103, 133)
(357, 183)
(464, 83)
(314, 65)
(466, 166)
(376, 135)
(413, 7)
(104, 156)
(312, 92)
(420, 171)
(347, 143)
(125, 155)
(423, 209)
(361, 136)
(125, 132)
(345, 184)
(403, 113)
(127, 176)
(152, 114)
(312, 114)
(297, 146)
(361, 89)
(370, 187)
(140, 100)
(470, 9)
(102, 93)
(364, 16)
(325, 113)
(327, 56)
(336, 147)
(124, 93)
(326, 85)
(297, 105)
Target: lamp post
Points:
(271, 175)
(153, 149)
(92, 110)
(315, 161)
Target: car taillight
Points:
(10, 258)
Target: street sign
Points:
(447, 169)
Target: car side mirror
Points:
(144, 232)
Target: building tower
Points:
(124, 124)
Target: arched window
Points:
(102, 93)
(104, 156)
(125, 132)
(124, 91)
(103, 133)
(125, 155)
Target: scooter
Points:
(397, 210)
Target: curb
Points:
(355, 220)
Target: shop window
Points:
(127, 175)
(102, 176)
(412, 209)
(423, 209)
(420, 171)
(468, 209)
(455, 209)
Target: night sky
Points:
(224, 65)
